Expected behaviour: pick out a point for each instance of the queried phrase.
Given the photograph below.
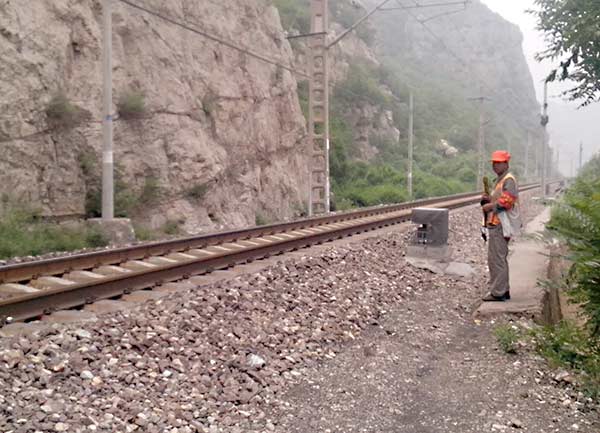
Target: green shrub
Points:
(87, 162)
(23, 233)
(576, 220)
(150, 191)
(62, 112)
(126, 200)
(295, 14)
(172, 227)
(197, 192)
(361, 85)
(131, 105)
(260, 219)
(565, 345)
(371, 195)
(342, 204)
(143, 233)
(508, 337)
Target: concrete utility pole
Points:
(537, 159)
(409, 180)
(480, 141)
(107, 121)
(580, 156)
(527, 146)
(544, 122)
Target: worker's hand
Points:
(485, 198)
(487, 207)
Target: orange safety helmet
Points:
(500, 156)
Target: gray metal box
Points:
(433, 226)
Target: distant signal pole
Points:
(409, 180)
(527, 146)
(544, 122)
(480, 140)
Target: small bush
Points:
(61, 112)
(22, 233)
(508, 337)
(172, 227)
(87, 162)
(94, 238)
(131, 105)
(260, 219)
(565, 345)
(150, 191)
(372, 195)
(197, 192)
(143, 233)
(342, 204)
(361, 86)
(126, 201)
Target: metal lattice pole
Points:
(318, 110)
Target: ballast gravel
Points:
(245, 355)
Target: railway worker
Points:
(502, 222)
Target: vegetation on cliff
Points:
(443, 112)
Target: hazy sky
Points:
(568, 126)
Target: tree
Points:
(572, 32)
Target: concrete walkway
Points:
(528, 263)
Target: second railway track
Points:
(37, 288)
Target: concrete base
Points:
(455, 269)
(117, 231)
(441, 253)
(528, 263)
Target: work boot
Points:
(492, 298)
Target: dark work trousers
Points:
(498, 261)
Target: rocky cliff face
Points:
(446, 58)
(465, 53)
(220, 140)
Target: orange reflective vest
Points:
(502, 198)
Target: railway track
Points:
(33, 289)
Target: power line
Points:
(234, 46)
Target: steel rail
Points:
(21, 272)
(46, 301)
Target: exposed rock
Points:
(222, 133)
